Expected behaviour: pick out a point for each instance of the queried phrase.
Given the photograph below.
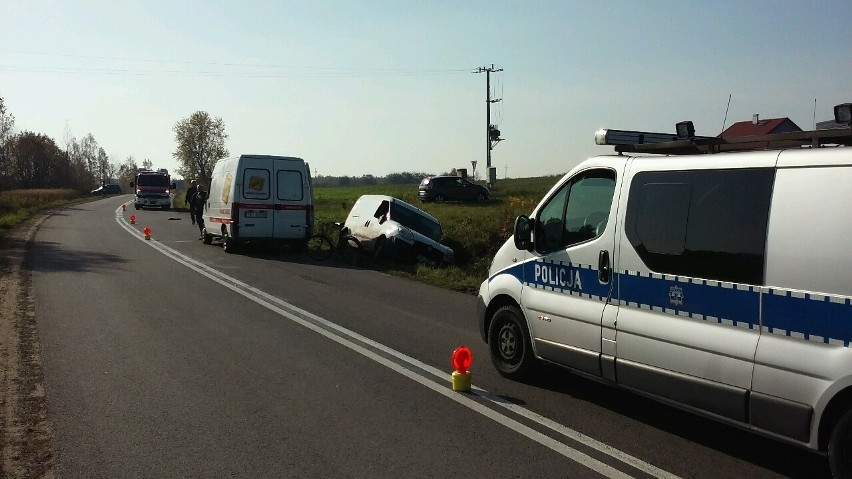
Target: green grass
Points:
(18, 205)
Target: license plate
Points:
(256, 214)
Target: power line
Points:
(337, 70)
(234, 74)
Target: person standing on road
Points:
(187, 200)
(196, 208)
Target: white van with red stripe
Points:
(259, 198)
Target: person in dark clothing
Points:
(196, 208)
(187, 200)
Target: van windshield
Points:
(415, 221)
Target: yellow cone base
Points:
(461, 381)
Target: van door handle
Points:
(367, 223)
(603, 266)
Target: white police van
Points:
(712, 275)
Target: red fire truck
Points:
(153, 189)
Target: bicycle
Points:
(322, 246)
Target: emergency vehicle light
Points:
(843, 113)
(685, 130)
(628, 137)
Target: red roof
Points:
(762, 127)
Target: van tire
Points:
(207, 237)
(509, 344)
(380, 251)
(228, 245)
(840, 448)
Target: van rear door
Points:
(292, 199)
(256, 205)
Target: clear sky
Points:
(377, 87)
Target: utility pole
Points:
(492, 134)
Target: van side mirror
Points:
(523, 233)
(174, 186)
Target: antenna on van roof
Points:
(726, 112)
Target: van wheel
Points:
(228, 244)
(509, 343)
(840, 448)
(207, 237)
(380, 253)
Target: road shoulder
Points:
(26, 435)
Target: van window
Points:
(578, 212)
(289, 185)
(256, 184)
(708, 224)
(415, 221)
(382, 210)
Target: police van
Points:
(259, 199)
(708, 273)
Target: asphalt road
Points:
(170, 358)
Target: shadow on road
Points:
(52, 257)
(781, 458)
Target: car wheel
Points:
(480, 197)
(380, 250)
(228, 245)
(840, 447)
(439, 198)
(509, 344)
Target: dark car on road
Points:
(451, 188)
(110, 189)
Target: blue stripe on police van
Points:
(719, 302)
(815, 317)
(806, 316)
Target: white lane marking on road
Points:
(350, 339)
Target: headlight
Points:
(405, 234)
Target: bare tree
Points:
(126, 171)
(7, 130)
(200, 144)
(147, 164)
(104, 166)
(89, 153)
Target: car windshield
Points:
(153, 180)
(415, 221)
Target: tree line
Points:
(404, 178)
(31, 160)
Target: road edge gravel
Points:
(26, 434)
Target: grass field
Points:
(474, 231)
(18, 205)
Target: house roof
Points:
(762, 127)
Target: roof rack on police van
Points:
(684, 142)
